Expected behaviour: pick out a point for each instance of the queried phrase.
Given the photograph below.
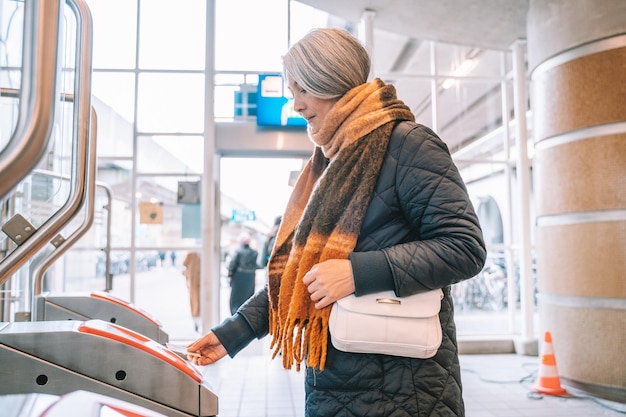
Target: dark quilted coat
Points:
(420, 232)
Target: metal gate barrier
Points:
(58, 357)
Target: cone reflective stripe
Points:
(548, 381)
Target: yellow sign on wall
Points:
(150, 213)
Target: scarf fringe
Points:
(294, 350)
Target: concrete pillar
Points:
(577, 62)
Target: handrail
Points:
(40, 61)
(82, 108)
(37, 271)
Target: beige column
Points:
(577, 61)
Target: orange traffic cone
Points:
(548, 381)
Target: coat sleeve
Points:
(449, 245)
(248, 323)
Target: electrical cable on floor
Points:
(495, 381)
(533, 395)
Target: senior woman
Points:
(379, 206)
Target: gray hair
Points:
(327, 63)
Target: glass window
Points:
(170, 103)
(114, 32)
(399, 54)
(250, 34)
(96, 235)
(61, 142)
(170, 154)
(415, 92)
(82, 270)
(113, 99)
(172, 34)
(120, 217)
(12, 31)
(458, 60)
(489, 302)
(303, 18)
(68, 57)
(10, 111)
(116, 173)
(115, 91)
(162, 220)
(39, 195)
(461, 60)
(11, 42)
(224, 96)
(469, 110)
(230, 98)
(489, 145)
(275, 175)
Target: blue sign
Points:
(273, 106)
(242, 216)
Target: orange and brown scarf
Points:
(324, 214)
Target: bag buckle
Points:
(388, 301)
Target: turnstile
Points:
(75, 404)
(102, 306)
(58, 357)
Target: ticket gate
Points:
(98, 305)
(75, 404)
(58, 357)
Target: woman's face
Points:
(313, 109)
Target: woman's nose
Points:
(298, 104)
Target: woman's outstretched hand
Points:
(208, 347)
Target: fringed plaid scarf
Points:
(323, 217)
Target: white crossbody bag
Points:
(387, 324)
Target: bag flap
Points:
(386, 303)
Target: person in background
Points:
(269, 243)
(241, 272)
(380, 205)
(191, 263)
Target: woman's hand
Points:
(210, 349)
(329, 281)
